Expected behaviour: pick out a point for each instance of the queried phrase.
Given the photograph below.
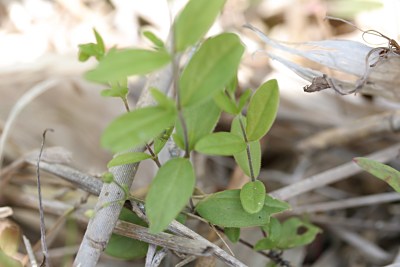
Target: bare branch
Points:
(369, 126)
(348, 203)
(333, 175)
(367, 248)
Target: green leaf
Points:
(252, 196)
(7, 261)
(121, 92)
(154, 39)
(221, 143)
(381, 171)
(100, 43)
(294, 233)
(200, 120)
(119, 64)
(137, 127)
(255, 151)
(123, 247)
(276, 205)
(181, 218)
(225, 103)
(92, 50)
(88, 50)
(262, 110)
(169, 193)
(210, 69)
(127, 158)
(161, 140)
(162, 99)
(232, 85)
(274, 229)
(244, 98)
(194, 21)
(232, 233)
(225, 209)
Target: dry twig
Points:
(333, 175)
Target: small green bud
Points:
(89, 213)
(108, 177)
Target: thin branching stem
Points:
(252, 176)
(46, 261)
(153, 155)
(126, 104)
(272, 254)
(180, 109)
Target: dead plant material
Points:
(364, 69)
(45, 251)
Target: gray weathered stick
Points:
(348, 203)
(108, 206)
(180, 244)
(369, 126)
(177, 243)
(79, 179)
(69, 174)
(357, 223)
(367, 248)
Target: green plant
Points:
(205, 87)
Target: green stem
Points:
(252, 176)
(126, 104)
(154, 156)
(180, 109)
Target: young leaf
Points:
(127, 158)
(115, 92)
(117, 65)
(188, 30)
(107, 177)
(197, 124)
(232, 233)
(162, 99)
(232, 85)
(262, 110)
(221, 143)
(137, 127)
(255, 151)
(88, 50)
(123, 247)
(294, 233)
(210, 69)
(161, 140)
(100, 43)
(273, 229)
(275, 205)
(225, 209)
(243, 99)
(169, 192)
(225, 103)
(381, 171)
(252, 196)
(158, 43)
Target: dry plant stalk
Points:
(376, 70)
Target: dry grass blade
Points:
(19, 106)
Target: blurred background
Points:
(39, 42)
